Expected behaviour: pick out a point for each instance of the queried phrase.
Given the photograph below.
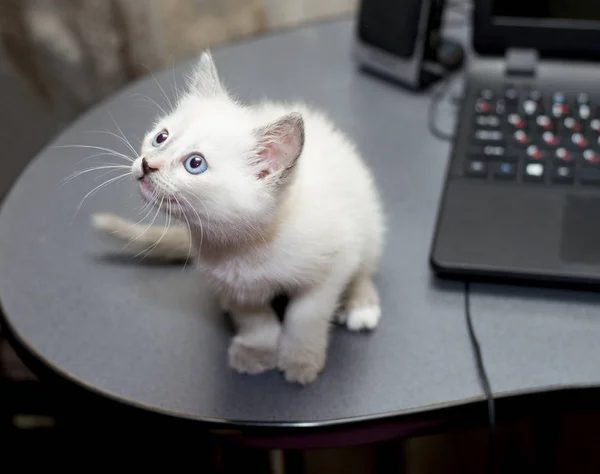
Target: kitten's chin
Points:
(151, 194)
(146, 189)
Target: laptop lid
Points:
(555, 28)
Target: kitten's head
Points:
(211, 162)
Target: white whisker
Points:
(151, 101)
(123, 135)
(157, 83)
(106, 173)
(94, 147)
(151, 222)
(112, 134)
(100, 186)
(135, 224)
(89, 170)
(166, 227)
(97, 155)
(192, 208)
(163, 91)
(175, 83)
(150, 206)
(149, 203)
(182, 211)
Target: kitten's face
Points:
(208, 161)
(198, 159)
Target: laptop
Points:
(521, 199)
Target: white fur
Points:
(285, 206)
(360, 318)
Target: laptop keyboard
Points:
(525, 136)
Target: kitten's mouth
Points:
(146, 188)
(150, 193)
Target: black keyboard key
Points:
(511, 99)
(531, 107)
(492, 153)
(564, 157)
(572, 124)
(484, 136)
(544, 123)
(563, 174)
(584, 111)
(499, 153)
(550, 139)
(583, 99)
(535, 95)
(560, 110)
(534, 172)
(591, 158)
(486, 94)
(558, 97)
(476, 169)
(534, 153)
(487, 121)
(590, 176)
(521, 138)
(511, 94)
(517, 121)
(505, 170)
(496, 152)
(483, 106)
(578, 141)
(500, 107)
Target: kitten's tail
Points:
(172, 244)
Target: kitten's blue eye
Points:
(160, 138)
(195, 164)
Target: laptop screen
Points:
(568, 29)
(582, 10)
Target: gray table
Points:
(147, 336)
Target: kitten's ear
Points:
(205, 78)
(280, 145)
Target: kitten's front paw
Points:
(249, 358)
(300, 367)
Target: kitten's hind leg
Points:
(360, 309)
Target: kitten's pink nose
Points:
(147, 168)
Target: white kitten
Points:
(277, 201)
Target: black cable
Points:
(485, 381)
(437, 96)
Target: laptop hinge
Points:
(521, 62)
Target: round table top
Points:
(148, 335)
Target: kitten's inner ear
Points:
(280, 145)
(205, 78)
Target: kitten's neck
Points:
(220, 242)
(214, 245)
